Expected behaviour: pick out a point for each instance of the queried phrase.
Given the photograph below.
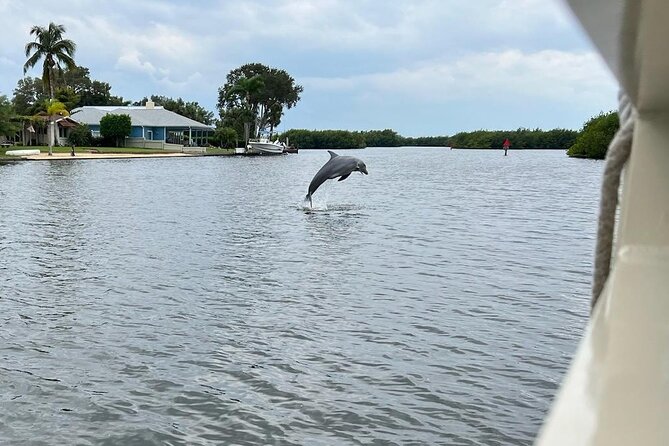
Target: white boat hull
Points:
(265, 148)
(23, 152)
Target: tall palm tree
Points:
(56, 52)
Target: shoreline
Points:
(90, 156)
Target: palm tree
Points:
(54, 109)
(245, 88)
(56, 52)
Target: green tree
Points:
(29, 96)
(242, 90)
(225, 137)
(116, 127)
(68, 97)
(597, 133)
(80, 136)
(90, 91)
(56, 52)
(8, 119)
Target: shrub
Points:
(80, 136)
(115, 127)
(225, 137)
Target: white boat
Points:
(617, 389)
(22, 152)
(264, 146)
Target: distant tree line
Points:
(480, 139)
(324, 139)
(520, 139)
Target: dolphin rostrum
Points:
(338, 166)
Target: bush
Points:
(596, 136)
(80, 136)
(225, 137)
(115, 127)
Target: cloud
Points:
(130, 59)
(550, 74)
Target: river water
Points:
(194, 301)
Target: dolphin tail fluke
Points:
(311, 202)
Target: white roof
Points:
(139, 116)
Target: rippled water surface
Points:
(194, 301)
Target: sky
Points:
(420, 67)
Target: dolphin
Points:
(337, 166)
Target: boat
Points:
(264, 146)
(616, 391)
(22, 152)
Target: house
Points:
(152, 125)
(34, 130)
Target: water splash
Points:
(320, 201)
(318, 206)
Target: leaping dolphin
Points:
(337, 166)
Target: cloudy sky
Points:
(421, 67)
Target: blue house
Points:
(152, 126)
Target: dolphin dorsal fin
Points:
(332, 154)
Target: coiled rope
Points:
(616, 157)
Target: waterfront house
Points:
(152, 125)
(34, 130)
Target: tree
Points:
(225, 137)
(80, 136)
(116, 127)
(266, 102)
(8, 118)
(54, 109)
(596, 136)
(244, 89)
(235, 118)
(29, 96)
(192, 110)
(244, 113)
(68, 97)
(56, 52)
(90, 91)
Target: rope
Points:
(616, 157)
